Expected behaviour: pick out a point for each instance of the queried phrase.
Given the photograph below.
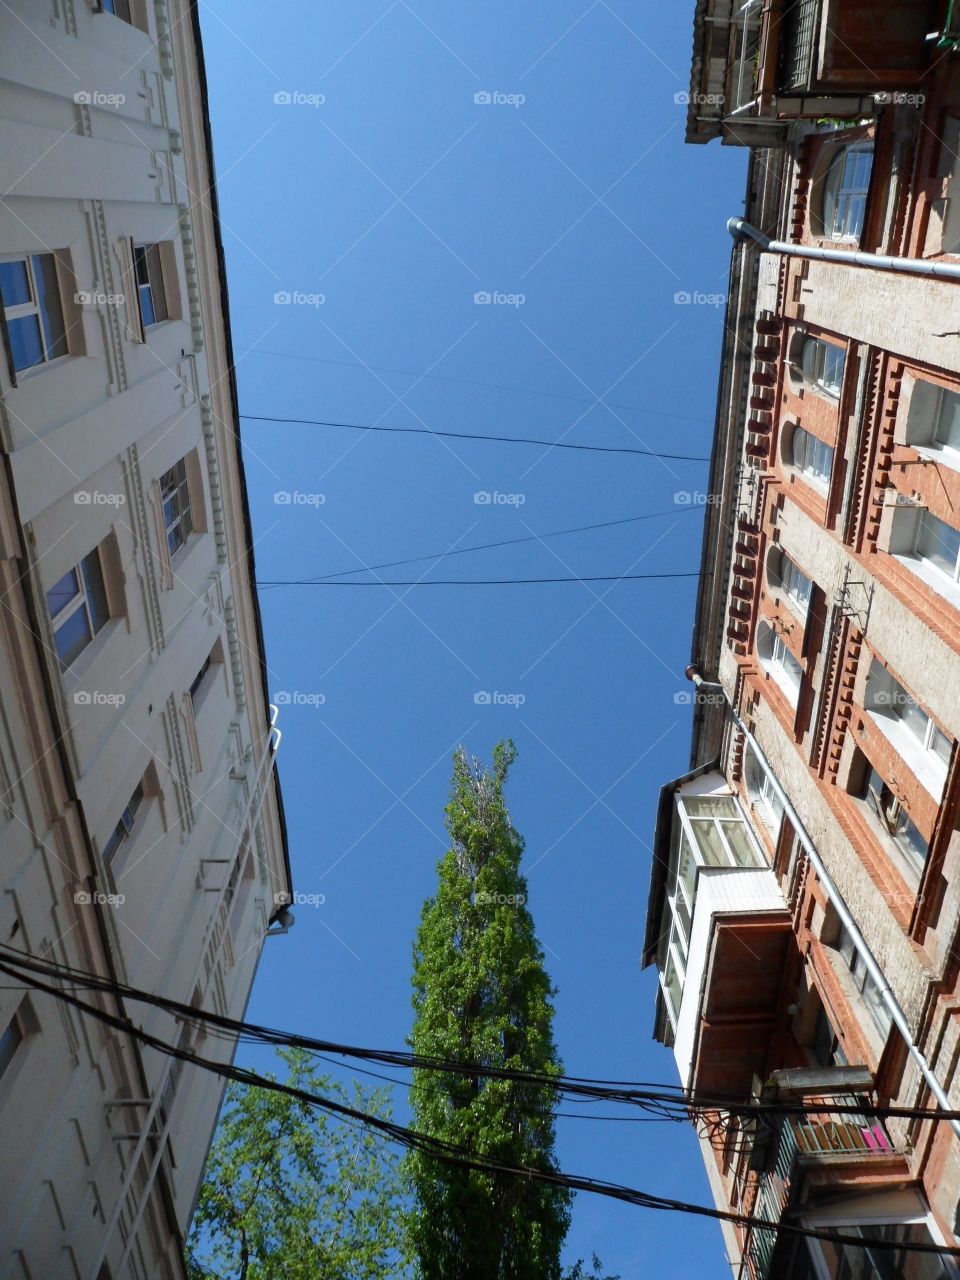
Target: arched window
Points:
(779, 663)
(845, 191)
(811, 456)
(822, 365)
(784, 575)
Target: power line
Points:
(476, 582)
(474, 382)
(489, 546)
(473, 435)
(458, 1157)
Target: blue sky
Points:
(382, 197)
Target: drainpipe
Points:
(740, 229)
(897, 1015)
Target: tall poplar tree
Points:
(481, 994)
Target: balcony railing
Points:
(797, 45)
(812, 1137)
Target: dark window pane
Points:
(156, 281)
(51, 308)
(26, 345)
(62, 592)
(9, 1040)
(96, 592)
(73, 636)
(14, 283)
(146, 305)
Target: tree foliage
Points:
(481, 994)
(292, 1194)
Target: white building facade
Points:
(141, 825)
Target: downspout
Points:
(897, 1015)
(740, 229)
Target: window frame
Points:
(175, 487)
(838, 196)
(919, 750)
(148, 254)
(786, 573)
(813, 449)
(80, 601)
(780, 664)
(815, 375)
(124, 828)
(34, 308)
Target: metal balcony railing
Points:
(810, 1137)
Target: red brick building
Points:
(812, 953)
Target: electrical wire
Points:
(472, 435)
(473, 382)
(504, 542)
(476, 582)
(453, 1155)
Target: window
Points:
(908, 727)
(708, 831)
(851, 1262)
(150, 288)
(761, 792)
(121, 8)
(177, 516)
(30, 292)
(121, 832)
(845, 192)
(78, 608)
(864, 982)
(796, 586)
(811, 456)
(822, 364)
(933, 422)
(824, 1045)
(10, 1040)
(894, 819)
(198, 679)
(779, 662)
(938, 543)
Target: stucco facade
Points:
(833, 628)
(141, 825)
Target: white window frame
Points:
(22, 310)
(762, 793)
(175, 485)
(849, 198)
(80, 601)
(819, 1222)
(826, 367)
(814, 451)
(886, 708)
(925, 522)
(794, 583)
(780, 664)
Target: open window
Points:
(778, 662)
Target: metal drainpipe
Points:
(740, 229)
(833, 893)
(264, 769)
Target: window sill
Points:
(945, 587)
(927, 768)
(81, 666)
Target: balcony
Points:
(811, 1156)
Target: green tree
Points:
(290, 1193)
(481, 994)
